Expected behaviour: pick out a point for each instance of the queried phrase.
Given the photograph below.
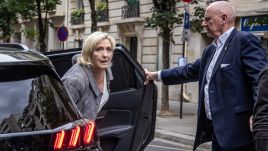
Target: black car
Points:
(36, 112)
(16, 46)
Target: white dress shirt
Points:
(105, 95)
(218, 43)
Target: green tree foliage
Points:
(165, 16)
(12, 10)
(30, 33)
(102, 6)
(77, 16)
(102, 11)
(5, 21)
(196, 21)
(43, 7)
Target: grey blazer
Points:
(81, 86)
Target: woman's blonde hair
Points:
(90, 44)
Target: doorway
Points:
(132, 44)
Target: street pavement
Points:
(179, 130)
(163, 145)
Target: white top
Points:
(105, 95)
(218, 43)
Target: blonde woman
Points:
(88, 80)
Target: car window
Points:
(122, 69)
(62, 60)
(123, 73)
(32, 101)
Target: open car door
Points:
(127, 120)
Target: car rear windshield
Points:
(32, 98)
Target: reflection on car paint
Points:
(38, 105)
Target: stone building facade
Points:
(126, 23)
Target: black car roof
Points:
(11, 55)
(15, 45)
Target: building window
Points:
(78, 43)
(17, 37)
(77, 16)
(102, 10)
(79, 4)
(132, 9)
(133, 46)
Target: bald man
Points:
(227, 73)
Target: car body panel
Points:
(34, 104)
(127, 120)
(19, 46)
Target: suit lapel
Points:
(208, 59)
(92, 82)
(223, 52)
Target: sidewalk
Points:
(178, 130)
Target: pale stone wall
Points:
(149, 43)
(250, 7)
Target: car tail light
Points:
(89, 132)
(75, 137)
(59, 140)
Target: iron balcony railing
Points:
(132, 10)
(102, 16)
(77, 19)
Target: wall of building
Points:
(257, 9)
(149, 52)
(149, 48)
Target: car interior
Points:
(127, 119)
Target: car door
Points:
(127, 121)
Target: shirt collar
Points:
(92, 82)
(222, 39)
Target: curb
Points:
(180, 138)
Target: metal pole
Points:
(182, 85)
(181, 101)
(186, 27)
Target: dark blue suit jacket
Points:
(232, 89)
